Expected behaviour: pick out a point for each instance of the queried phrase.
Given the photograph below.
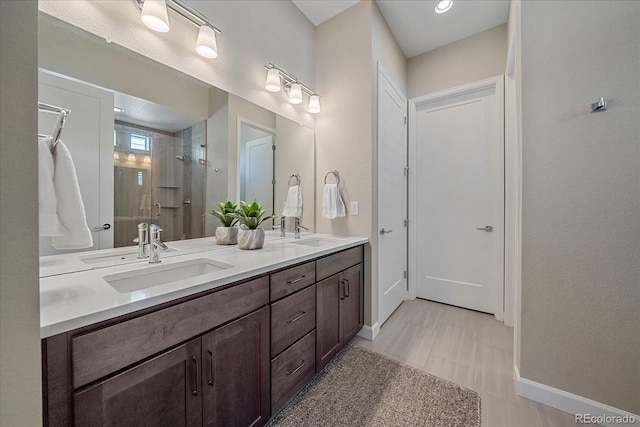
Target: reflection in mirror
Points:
(172, 153)
(255, 165)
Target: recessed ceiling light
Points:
(443, 6)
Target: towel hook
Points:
(296, 176)
(335, 173)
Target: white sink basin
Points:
(116, 257)
(131, 281)
(317, 241)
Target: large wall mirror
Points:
(152, 144)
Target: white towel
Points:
(332, 204)
(293, 204)
(47, 204)
(75, 233)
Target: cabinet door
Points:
(166, 390)
(353, 302)
(235, 372)
(329, 294)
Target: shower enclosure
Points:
(159, 178)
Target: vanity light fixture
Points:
(294, 88)
(443, 6)
(147, 159)
(131, 157)
(116, 155)
(155, 16)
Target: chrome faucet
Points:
(142, 240)
(154, 244)
(298, 226)
(282, 225)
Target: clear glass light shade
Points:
(147, 159)
(295, 94)
(444, 6)
(206, 44)
(116, 155)
(314, 104)
(273, 80)
(131, 157)
(155, 16)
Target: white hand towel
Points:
(293, 204)
(332, 204)
(76, 233)
(47, 202)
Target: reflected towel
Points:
(332, 204)
(293, 204)
(49, 223)
(75, 232)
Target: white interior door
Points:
(392, 198)
(257, 172)
(459, 196)
(88, 130)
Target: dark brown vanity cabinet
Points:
(226, 357)
(340, 302)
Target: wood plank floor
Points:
(466, 347)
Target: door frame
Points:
(414, 103)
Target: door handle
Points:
(488, 229)
(158, 209)
(383, 232)
(102, 227)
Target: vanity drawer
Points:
(292, 279)
(292, 370)
(292, 318)
(107, 350)
(332, 264)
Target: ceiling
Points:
(414, 23)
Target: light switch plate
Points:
(354, 208)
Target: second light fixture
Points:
(277, 77)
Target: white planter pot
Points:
(250, 239)
(226, 235)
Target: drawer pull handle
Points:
(291, 282)
(210, 367)
(297, 369)
(196, 377)
(298, 317)
(347, 288)
(341, 289)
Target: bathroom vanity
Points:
(227, 346)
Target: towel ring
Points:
(335, 173)
(296, 176)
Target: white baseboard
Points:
(370, 332)
(571, 403)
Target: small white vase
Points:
(226, 235)
(250, 239)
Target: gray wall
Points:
(20, 395)
(581, 199)
(474, 58)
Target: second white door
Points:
(458, 196)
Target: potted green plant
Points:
(250, 216)
(227, 234)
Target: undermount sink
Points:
(117, 257)
(316, 241)
(131, 281)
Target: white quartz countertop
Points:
(74, 292)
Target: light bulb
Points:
(443, 6)
(273, 80)
(155, 16)
(206, 44)
(314, 104)
(295, 94)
